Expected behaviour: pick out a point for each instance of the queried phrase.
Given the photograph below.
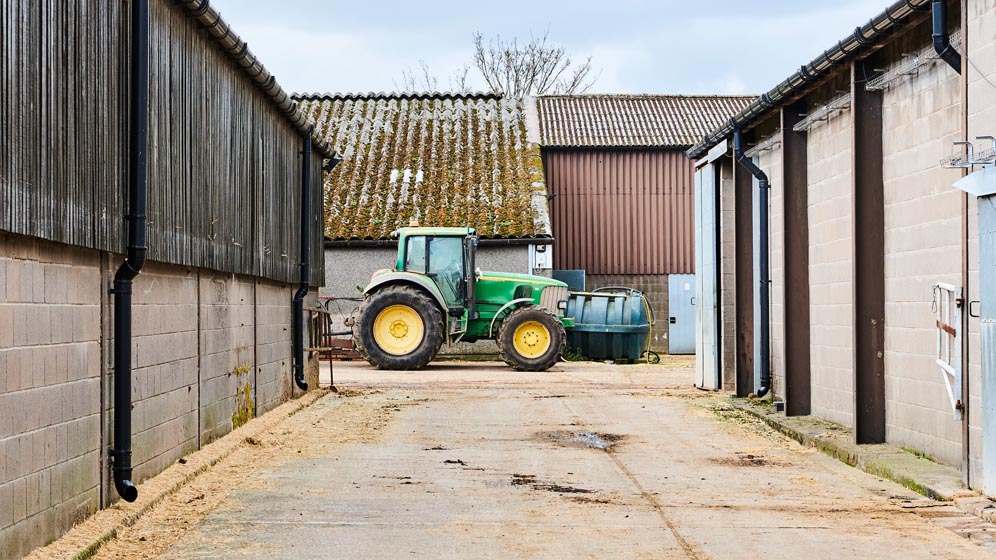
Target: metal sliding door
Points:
(707, 374)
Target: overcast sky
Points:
(639, 46)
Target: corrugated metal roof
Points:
(601, 120)
(443, 159)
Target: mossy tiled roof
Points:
(625, 120)
(443, 159)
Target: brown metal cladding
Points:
(622, 211)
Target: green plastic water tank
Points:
(610, 324)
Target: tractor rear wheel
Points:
(398, 327)
(531, 338)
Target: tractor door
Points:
(470, 277)
(447, 269)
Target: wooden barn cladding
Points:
(224, 160)
(622, 211)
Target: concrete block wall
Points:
(164, 365)
(273, 345)
(228, 361)
(192, 328)
(50, 376)
(728, 287)
(770, 162)
(981, 112)
(829, 153)
(654, 286)
(921, 118)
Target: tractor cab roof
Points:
(435, 231)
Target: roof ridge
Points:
(646, 96)
(372, 95)
(633, 120)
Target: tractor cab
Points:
(435, 294)
(446, 256)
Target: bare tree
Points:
(531, 68)
(417, 80)
(460, 80)
(510, 68)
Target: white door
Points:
(706, 308)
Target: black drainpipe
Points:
(942, 43)
(135, 259)
(297, 303)
(765, 318)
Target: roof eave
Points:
(864, 39)
(219, 31)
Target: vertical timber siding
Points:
(224, 163)
(622, 211)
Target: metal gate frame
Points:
(947, 306)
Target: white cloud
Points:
(641, 47)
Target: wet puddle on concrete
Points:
(591, 440)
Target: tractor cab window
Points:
(415, 254)
(446, 265)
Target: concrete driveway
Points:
(585, 461)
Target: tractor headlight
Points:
(562, 305)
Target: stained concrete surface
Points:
(584, 461)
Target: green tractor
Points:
(435, 294)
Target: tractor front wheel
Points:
(531, 338)
(398, 327)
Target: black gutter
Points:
(862, 40)
(135, 259)
(297, 303)
(763, 266)
(942, 42)
(238, 51)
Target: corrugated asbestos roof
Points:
(600, 120)
(443, 159)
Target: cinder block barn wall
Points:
(164, 365)
(654, 286)
(981, 110)
(49, 390)
(273, 345)
(227, 331)
(770, 162)
(921, 119)
(728, 287)
(830, 269)
(192, 328)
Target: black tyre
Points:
(531, 338)
(398, 327)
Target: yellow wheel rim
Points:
(531, 339)
(398, 330)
